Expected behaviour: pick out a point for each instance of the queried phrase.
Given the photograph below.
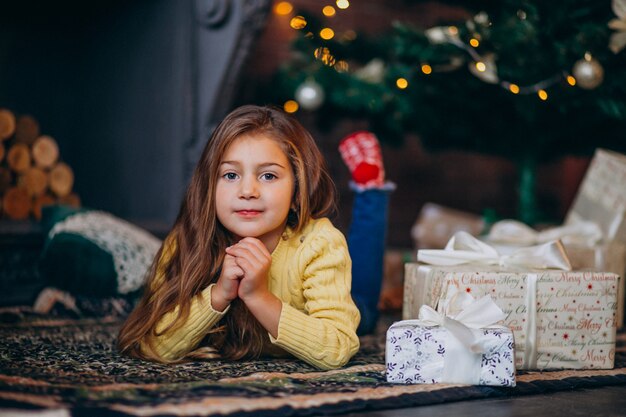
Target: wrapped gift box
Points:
(435, 225)
(586, 251)
(601, 197)
(560, 319)
(608, 257)
(417, 354)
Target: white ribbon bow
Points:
(513, 232)
(465, 343)
(462, 313)
(464, 248)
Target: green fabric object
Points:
(93, 253)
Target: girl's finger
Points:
(254, 247)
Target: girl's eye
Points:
(268, 176)
(230, 176)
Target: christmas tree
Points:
(526, 80)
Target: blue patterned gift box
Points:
(422, 354)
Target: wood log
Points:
(6, 179)
(16, 203)
(7, 124)
(39, 202)
(45, 151)
(18, 157)
(34, 180)
(26, 129)
(72, 199)
(61, 179)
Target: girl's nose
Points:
(249, 188)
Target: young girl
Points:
(252, 265)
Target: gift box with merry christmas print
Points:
(561, 319)
(584, 242)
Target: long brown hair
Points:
(200, 240)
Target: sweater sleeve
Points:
(175, 344)
(323, 335)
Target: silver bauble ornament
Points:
(588, 73)
(310, 95)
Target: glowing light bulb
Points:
(543, 94)
(329, 11)
(283, 8)
(402, 83)
(427, 69)
(343, 4)
(291, 106)
(474, 42)
(514, 88)
(453, 30)
(297, 22)
(571, 80)
(480, 66)
(327, 34)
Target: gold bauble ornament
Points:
(588, 72)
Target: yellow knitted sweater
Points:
(311, 275)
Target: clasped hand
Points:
(245, 270)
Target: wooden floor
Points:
(601, 402)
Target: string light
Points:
(474, 42)
(283, 8)
(342, 66)
(453, 30)
(427, 69)
(297, 22)
(482, 68)
(402, 83)
(514, 88)
(543, 95)
(343, 4)
(329, 11)
(327, 34)
(571, 80)
(323, 54)
(291, 106)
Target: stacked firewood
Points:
(32, 174)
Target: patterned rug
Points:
(72, 365)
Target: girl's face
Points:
(255, 189)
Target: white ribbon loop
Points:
(516, 233)
(461, 314)
(464, 248)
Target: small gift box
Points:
(452, 348)
(561, 319)
(601, 197)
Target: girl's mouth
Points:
(248, 213)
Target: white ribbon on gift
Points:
(517, 233)
(463, 317)
(464, 248)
